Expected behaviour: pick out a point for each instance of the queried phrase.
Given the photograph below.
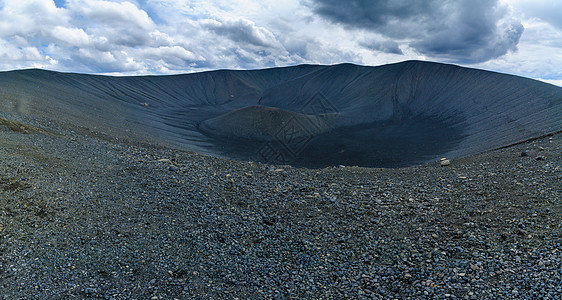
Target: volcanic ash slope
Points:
(393, 115)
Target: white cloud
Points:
(111, 13)
(173, 58)
(119, 24)
(9, 54)
(31, 18)
(75, 37)
(12, 57)
(242, 30)
(545, 10)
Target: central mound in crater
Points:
(265, 124)
(394, 115)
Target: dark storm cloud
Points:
(462, 31)
(387, 46)
(372, 14)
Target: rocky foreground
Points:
(86, 216)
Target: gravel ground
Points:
(85, 216)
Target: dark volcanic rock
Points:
(85, 214)
(394, 115)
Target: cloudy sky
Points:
(522, 37)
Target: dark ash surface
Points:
(85, 216)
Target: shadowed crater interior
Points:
(275, 136)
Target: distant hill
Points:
(393, 115)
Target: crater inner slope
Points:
(314, 116)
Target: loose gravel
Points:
(94, 218)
